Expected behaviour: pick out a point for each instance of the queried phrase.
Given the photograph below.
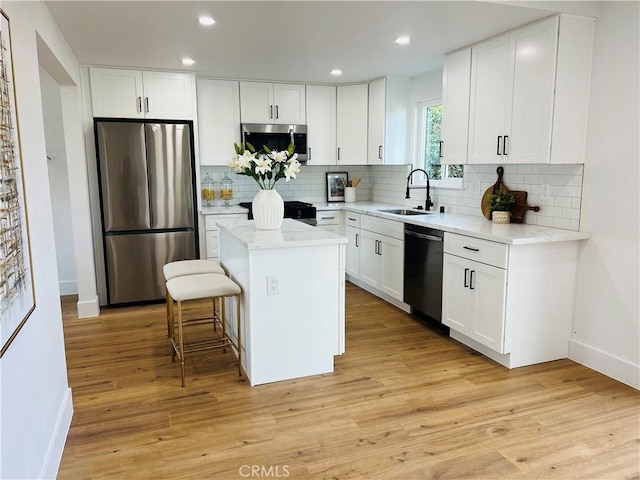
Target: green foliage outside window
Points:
(433, 134)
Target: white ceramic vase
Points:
(268, 210)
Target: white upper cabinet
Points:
(377, 108)
(456, 76)
(118, 93)
(218, 120)
(280, 103)
(321, 125)
(352, 118)
(389, 117)
(529, 94)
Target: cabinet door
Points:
(211, 238)
(488, 100)
(289, 104)
(353, 251)
(168, 96)
(456, 310)
(456, 78)
(256, 102)
(352, 106)
(116, 93)
(370, 263)
(488, 286)
(218, 120)
(321, 125)
(377, 110)
(530, 93)
(392, 266)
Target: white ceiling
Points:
(298, 41)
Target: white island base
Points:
(293, 294)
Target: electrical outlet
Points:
(273, 285)
(544, 192)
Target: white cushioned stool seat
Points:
(190, 267)
(205, 285)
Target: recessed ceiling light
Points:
(188, 61)
(206, 20)
(336, 71)
(403, 40)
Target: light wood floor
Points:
(403, 403)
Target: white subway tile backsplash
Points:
(387, 184)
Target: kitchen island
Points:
(293, 297)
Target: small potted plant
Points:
(500, 204)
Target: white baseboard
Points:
(90, 308)
(605, 363)
(68, 287)
(388, 298)
(58, 439)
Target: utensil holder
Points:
(349, 194)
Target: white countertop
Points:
(292, 234)
(479, 227)
(223, 209)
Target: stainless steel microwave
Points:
(276, 137)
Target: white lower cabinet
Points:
(512, 303)
(211, 231)
(375, 254)
(330, 220)
(474, 300)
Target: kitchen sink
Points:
(403, 211)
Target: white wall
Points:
(58, 183)
(36, 405)
(606, 333)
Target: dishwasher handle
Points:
(423, 236)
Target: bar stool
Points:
(198, 287)
(181, 268)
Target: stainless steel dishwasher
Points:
(423, 251)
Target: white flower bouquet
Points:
(265, 166)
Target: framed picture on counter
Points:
(336, 181)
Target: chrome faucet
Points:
(428, 203)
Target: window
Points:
(430, 124)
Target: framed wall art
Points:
(336, 182)
(17, 294)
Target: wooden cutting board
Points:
(496, 187)
(520, 207)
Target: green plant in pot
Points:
(500, 205)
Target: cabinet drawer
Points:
(484, 251)
(210, 220)
(382, 226)
(329, 217)
(352, 219)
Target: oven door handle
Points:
(423, 236)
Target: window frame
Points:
(446, 181)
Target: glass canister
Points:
(207, 190)
(226, 189)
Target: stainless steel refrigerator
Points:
(147, 197)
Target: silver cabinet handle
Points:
(270, 111)
(357, 238)
(309, 156)
(327, 218)
(471, 285)
(380, 247)
(146, 104)
(338, 153)
(466, 279)
(277, 114)
(471, 248)
(380, 152)
(139, 104)
(352, 219)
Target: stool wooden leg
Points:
(224, 321)
(167, 297)
(180, 342)
(215, 315)
(239, 338)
